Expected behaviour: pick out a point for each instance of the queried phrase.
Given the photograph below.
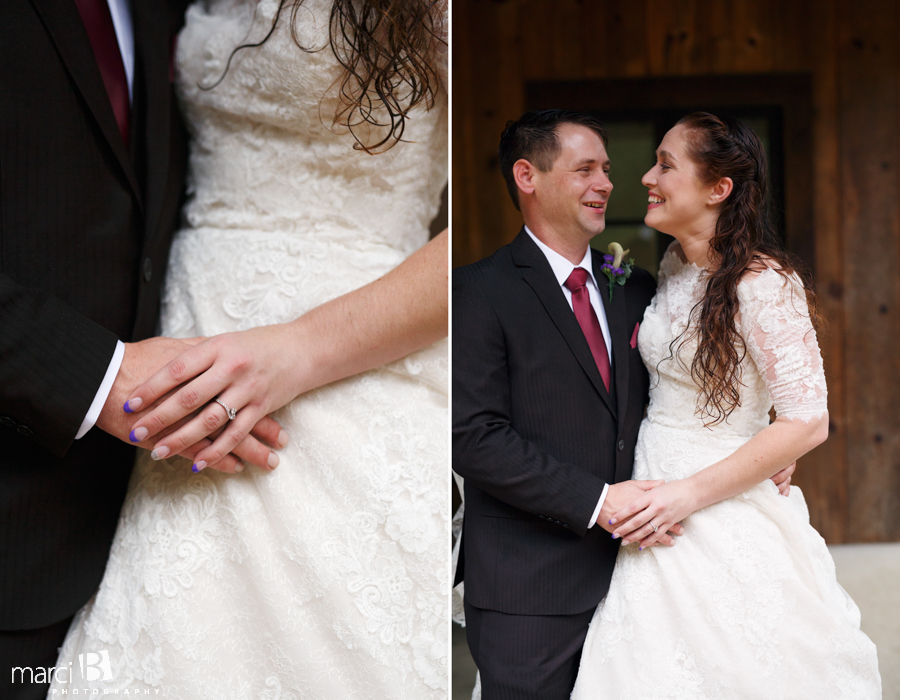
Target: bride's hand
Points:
(254, 371)
(262, 369)
(664, 507)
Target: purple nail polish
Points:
(615, 536)
(126, 408)
(194, 469)
(138, 434)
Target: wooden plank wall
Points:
(852, 482)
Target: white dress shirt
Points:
(562, 268)
(121, 17)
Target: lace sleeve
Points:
(782, 342)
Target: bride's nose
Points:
(649, 179)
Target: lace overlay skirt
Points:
(745, 605)
(327, 578)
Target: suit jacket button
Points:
(148, 269)
(621, 445)
(25, 430)
(7, 421)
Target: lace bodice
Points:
(264, 155)
(782, 365)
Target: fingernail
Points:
(641, 548)
(239, 468)
(624, 542)
(610, 522)
(273, 460)
(615, 536)
(133, 405)
(282, 439)
(159, 453)
(138, 434)
(613, 521)
(198, 467)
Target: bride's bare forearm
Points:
(780, 443)
(404, 311)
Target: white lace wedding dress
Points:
(746, 604)
(327, 578)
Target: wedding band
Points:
(650, 523)
(232, 412)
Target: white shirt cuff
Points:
(599, 506)
(103, 392)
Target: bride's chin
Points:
(650, 220)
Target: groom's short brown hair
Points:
(533, 137)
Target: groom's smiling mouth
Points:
(595, 205)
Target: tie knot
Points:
(577, 279)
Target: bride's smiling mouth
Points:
(654, 200)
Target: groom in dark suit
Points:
(92, 158)
(92, 161)
(548, 394)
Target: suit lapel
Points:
(68, 34)
(152, 57)
(617, 320)
(537, 273)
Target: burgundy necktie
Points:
(587, 319)
(98, 22)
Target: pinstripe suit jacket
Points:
(535, 433)
(85, 226)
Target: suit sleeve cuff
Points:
(599, 506)
(106, 386)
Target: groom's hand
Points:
(620, 495)
(783, 479)
(142, 360)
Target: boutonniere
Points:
(613, 267)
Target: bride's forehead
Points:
(675, 142)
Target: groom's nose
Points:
(603, 183)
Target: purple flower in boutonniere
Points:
(614, 268)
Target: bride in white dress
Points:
(327, 577)
(745, 604)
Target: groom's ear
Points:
(524, 173)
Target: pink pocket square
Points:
(634, 335)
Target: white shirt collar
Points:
(561, 267)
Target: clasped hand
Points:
(175, 408)
(658, 508)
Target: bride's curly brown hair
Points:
(388, 49)
(744, 242)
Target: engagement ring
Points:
(232, 412)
